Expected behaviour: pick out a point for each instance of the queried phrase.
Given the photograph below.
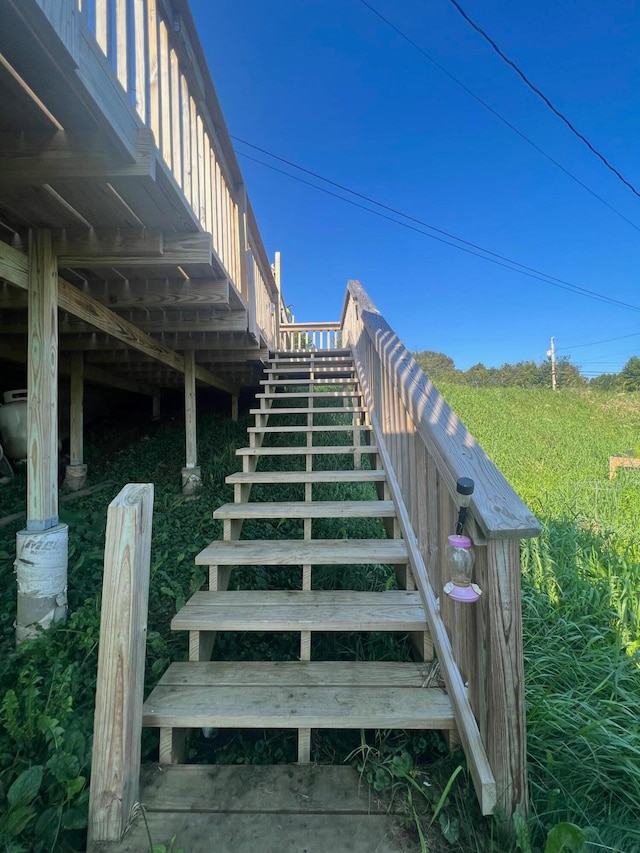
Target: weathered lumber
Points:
(42, 403)
(307, 509)
(120, 683)
(295, 552)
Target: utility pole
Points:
(552, 354)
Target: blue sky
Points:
(327, 85)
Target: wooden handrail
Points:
(495, 506)
(425, 448)
(115, 767)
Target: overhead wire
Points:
(543, 97)
(468, 247)
(603, 341)
(494, 112)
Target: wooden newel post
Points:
(503, 717)
(120, 686)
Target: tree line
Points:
(527, 374)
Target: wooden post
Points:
(234, 407)
(42, 549)
(42, 371)
(191, 474)
(155, 405)
(76, 473)
(246, 262)
(501, 706)
(277, 274)
(120, 688)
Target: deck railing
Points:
(426, 448)
(310, 336)
(155, 55)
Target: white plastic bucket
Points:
(13, 424)
(41, 569)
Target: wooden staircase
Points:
(302, 693)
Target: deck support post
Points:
(234, 407)
(191, 473)
(155, 405)
(76, 473)
(42, 548)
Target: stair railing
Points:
(115, 768)
(425, 448)
(305, 337)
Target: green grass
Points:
(581, 609)
(581, 599)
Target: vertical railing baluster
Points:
(176, 124)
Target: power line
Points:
(492, 257)
(496, 113)
(603, 341)
(543, 97)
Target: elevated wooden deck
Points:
(112, 141)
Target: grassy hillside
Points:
(581, 598)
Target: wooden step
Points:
(302, 610)
(331, 381)
(262, 809)
(298, 395)
(271, 477)
(313, 360)
(317, 428)
(306, 410)
(318, 370)
(299, 552)
(307, 509)
(331, 449)
(292, 697)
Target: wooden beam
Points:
(171, 323)
(218, 343)
(152, 294)
(112, 380)
(36, 158)
(14, 268)
(18, 354)
(101, 248)
(82, 248)
(42, 382)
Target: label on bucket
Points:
(41, 561)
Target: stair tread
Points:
(305, 410)
(274, 706)
(318, 370)
(298, 552)
(301, 610)
(298, 673)
(335, 449)
(328, 381)
(359, 476)
(324, 395)
(316, 351)
(307, 509)
(316, 428)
